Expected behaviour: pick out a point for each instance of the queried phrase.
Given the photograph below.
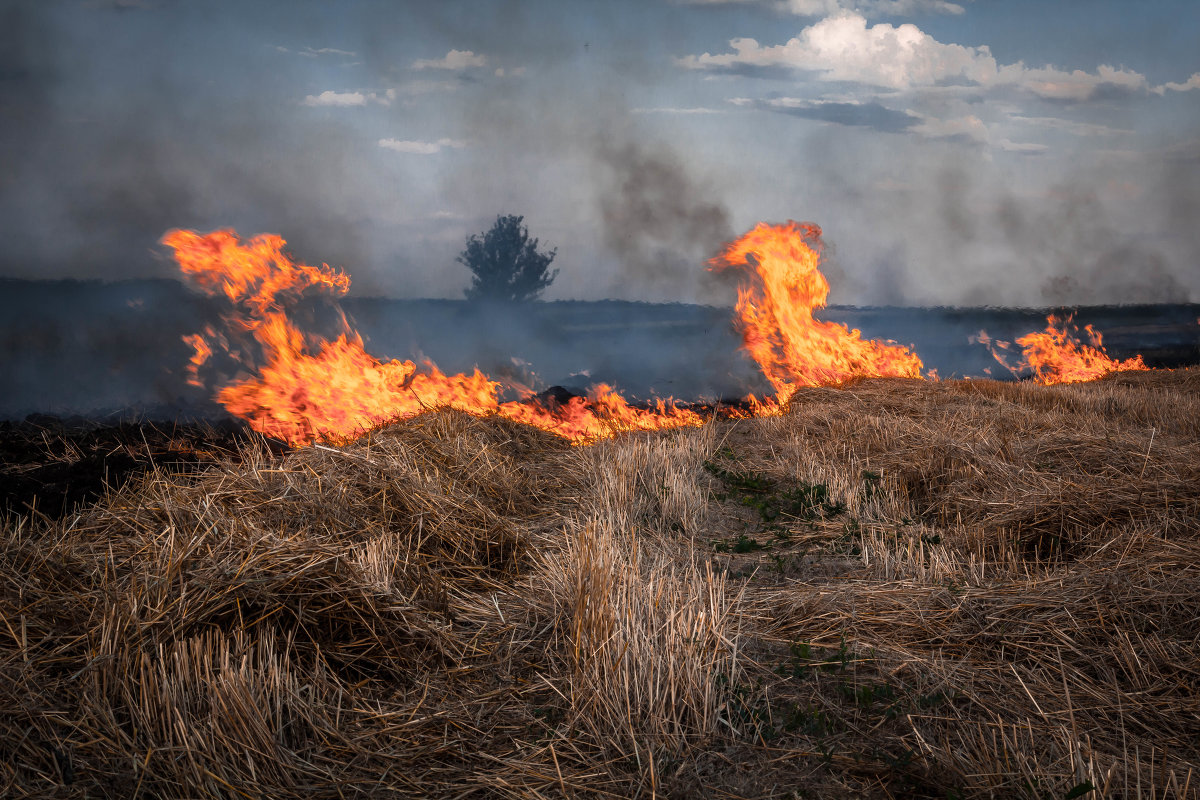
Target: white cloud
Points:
(824, 8)
(872, 8)
(1069, 125)
(1191, 83)
(349, 99)
(454, 60)
(970, 128)
(336, 99)
(329, 51)
(311, 52)
(420, 148)
(812, 8)
(512, 72)
(1026, 148)
(1075, 86)
(844, 48)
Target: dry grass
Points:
(904, 589)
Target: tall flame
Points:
(309, 387)
(775, 314)
(1057, 356)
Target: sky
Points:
(978, 152)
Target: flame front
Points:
(1056, 356)
(775, 315)
(309, 387)
(602, 413)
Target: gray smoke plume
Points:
(661, 224)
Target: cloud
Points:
(844, 48)
(1076, 86)
(420, 148)
(1191, 83)
(972, 130)
(512, 72)
(969, 129)
(327, 51)
(1022, 148)
(871, 8)
(310, 52)
(336, 99)
(1069, 125)
(349, 99)
(824, 8)
(867, 115)
(454, 60)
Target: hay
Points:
(994, 593)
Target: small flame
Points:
(202, 353)
(601, 414)
(775, 315)
(1057, 356)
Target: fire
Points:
(301, 387)
(1056, 356)
(203, 352)
(257, 274)
(601, 414)
(775, 315)
(309, 387)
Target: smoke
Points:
(98, 160)
(949, 227)
(92, 178)
(661, 224)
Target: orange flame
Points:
(203, 352)
(601, 414)
(257, 273)
(1055, 356)
(311, 388)
(775, 315)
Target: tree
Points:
(506, 264)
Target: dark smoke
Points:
(87, 190)
(661, 224)
(1081, 253)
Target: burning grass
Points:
(895, 588)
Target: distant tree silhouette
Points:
(505, 263)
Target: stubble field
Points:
(897, 588)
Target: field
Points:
(93, 348)
(897, 588)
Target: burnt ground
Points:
(50, 465)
